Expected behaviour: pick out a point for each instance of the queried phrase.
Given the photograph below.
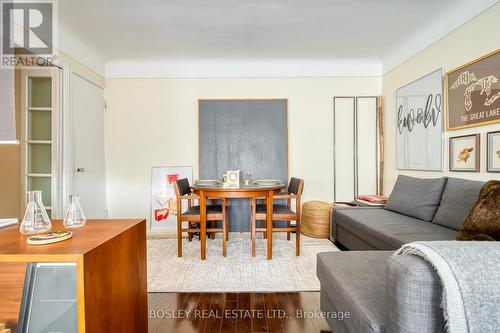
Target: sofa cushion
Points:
(355, 283)
(458, 198)
(387, 230)
(416, 197)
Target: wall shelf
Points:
(31, 108)
(44, 175)
(39, 142)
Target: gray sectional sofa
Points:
(367, 289)
(417, 209)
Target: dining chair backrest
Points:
(295, 186)
(182, 186)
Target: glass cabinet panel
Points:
(41, 184)
(39, 125)
(39, 158)
(40, 92)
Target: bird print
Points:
(465, 154)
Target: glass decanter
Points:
(35, 220)
(75, 217)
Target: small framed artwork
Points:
(465, 153)
(493, 152)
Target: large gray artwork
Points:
(250, 135)
(419, 127)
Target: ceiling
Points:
(180, 31)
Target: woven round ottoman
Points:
(315, 220)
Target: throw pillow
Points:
(416, 197)
(458, 198)
(483, 221)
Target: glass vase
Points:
(75, 217)
(35, 220)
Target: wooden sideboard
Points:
(110, 257)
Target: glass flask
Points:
(248, 178)
(75, 217)
(35, 220)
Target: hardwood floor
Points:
(235, 312)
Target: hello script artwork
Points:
(473, 93)
(419, 136)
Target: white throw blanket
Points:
(470, 275)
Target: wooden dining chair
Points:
(192, 216)
(281, 212)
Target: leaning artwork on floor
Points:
(163, 198)
(419, 134)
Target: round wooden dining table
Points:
(223, 191)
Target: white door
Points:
(87, 123)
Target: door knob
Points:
(80, 169)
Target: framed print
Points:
(473, 93)
(465, 153)
(493, 152)
(419, 128)
(163, 212)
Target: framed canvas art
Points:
(465, 153)
(473, 93)
(493, 151)
(419, 128)
(163, 212)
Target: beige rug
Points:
(239, 271)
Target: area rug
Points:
(239, 271)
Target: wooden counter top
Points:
(13, 246)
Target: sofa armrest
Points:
(413, 293)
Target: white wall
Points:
(152, 122)
(74, 47)
(472, 40)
